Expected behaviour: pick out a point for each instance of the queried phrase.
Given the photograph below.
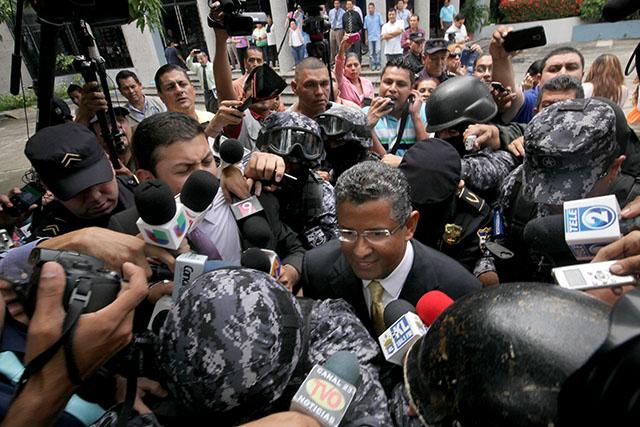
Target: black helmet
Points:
(460, 100)
(498, 357)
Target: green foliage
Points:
(536, 10)
(475, 15)
(591, 11)
(11, 102)
(64, 63)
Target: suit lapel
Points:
(346, 285)
(418, 280)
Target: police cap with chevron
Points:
(68, 159)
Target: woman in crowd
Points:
(352, 86)
(634, 115)
(605, 79)
(454, 67)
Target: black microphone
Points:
(403, 328)
(546, 235)
(197, 195)
(162, 221)
(616, 10)
(256, 259)
(231, 151)
(395, 310)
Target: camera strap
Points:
(403, 123)
(77, 302)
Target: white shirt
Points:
(393, 283)
(461, 33)
(220, 226)
(392, 46)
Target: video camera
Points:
(236, 21)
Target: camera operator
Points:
(100, 335)
(126, 158)
(307, 204)
(76, 170)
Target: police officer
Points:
(73, 166)
(573, 152)
(247, 357)
(453, 219)
(451, 108)
(306, 202)
(347, 138)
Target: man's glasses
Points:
(372, 236)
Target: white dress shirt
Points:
(393, 283)
(220, 226)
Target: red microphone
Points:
(431, 304)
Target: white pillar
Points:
(456, 4)
(209, 38)
(143, 52)
(422, 9)
(280, 26)
(381, 8)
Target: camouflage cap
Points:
(288, 119)
(232, 341)
(569, 146)
(361, 131)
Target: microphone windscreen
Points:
(256, 259)
(546, 235)
(257, 231)
(199, 190)
(431, 304)
(395, 310)
(345, 365)
(154, 201)
(231, 151)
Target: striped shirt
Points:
(387, 131)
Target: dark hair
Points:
(125, 74)
(161, 130)
(475, 62)
(561, 84)
(73, 88)
(560, 51)
(309, 63)
(535, 67)
(417, 16)
(167, 68)
(255, 49)
(458, 17)
(350, 55)
(372, 4)
(399, 63)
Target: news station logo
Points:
(325, 394)
(157, 236)
(592, 218)
(181, 225)
(401, 332)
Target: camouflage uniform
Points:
(309, 210)
(236, 340)
(485, 170)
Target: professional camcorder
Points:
(236, 21)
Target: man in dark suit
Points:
(376, 260)
(170, 146)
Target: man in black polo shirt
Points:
(73, 166)
(413, 57)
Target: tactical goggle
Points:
(282, 140)
(336, 126)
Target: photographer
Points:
(100, 335)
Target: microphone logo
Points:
(401, 332)
(157, 236)
(181, 225)
(598, 217)
(325, 394)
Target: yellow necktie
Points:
(377, 308)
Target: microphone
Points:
(326, 393)
(197, 195)
(262, 260)
(431, 304)
(590, 224)
(404, 327)
(617, 10)
(231, 151)
(189, 266)
(162, 221)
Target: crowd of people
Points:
(368, 197)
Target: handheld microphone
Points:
(231, 151)
(404, 327)
(162, 221)
(616, 10)
(326, 393)
(590, 224)
(431, 304)
(190, 266)
(197, 195)
(262, 260)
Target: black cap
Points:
(60, 111)
(68, 159)
(433, 170)
(417, 36)
(435, 45)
